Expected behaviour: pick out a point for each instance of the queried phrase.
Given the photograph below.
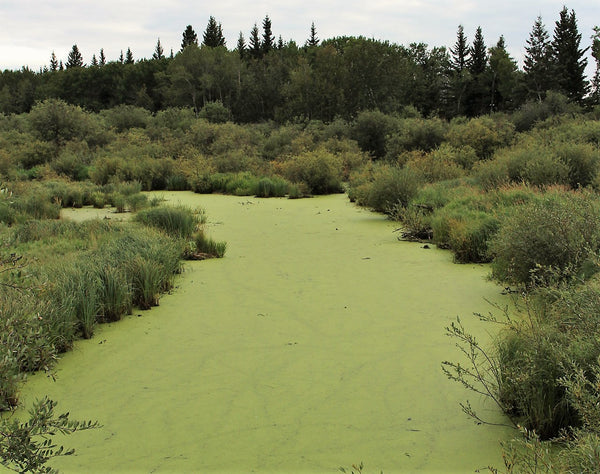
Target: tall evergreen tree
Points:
(280, 43)
(102, 61)
(75, 59)
(53, 62)
(61, 66)
(569, 62)
(255, 43)
(595, 89)
(459, 55)
(538, 61)
(312, 40)
(158, 51)
(213, 36)
(94, 61)
(121, 57)
(189, 37)
(504, 81)
(478, 54)
(129, 57)
(241, 45)
(268, 41)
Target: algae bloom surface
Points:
(315, 343)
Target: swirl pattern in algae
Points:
(315, 343)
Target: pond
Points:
(315, 343)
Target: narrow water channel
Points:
(315, 343)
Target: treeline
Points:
(268, 79)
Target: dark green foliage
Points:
(392, 186)
(569, 61)
(75, 59)
(538, 61)
(189, 37)
(268, 40)
(461, 51)
(213, 35)
(215, 112)
(371, 130)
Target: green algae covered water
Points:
(315, 343)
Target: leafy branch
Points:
(28, 446)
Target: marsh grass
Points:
(147, 281)
(207, 246)
(179, 222)
(115, 293)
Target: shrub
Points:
(321, 171)
(484, 135)
(549, 236)
(371, 130)
(392, 186)
(415, 134)
(215, 112)
(123, 117)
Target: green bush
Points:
(552, 236)
(320, 170)
(483, 134)
(392, 186)
(271, 187)
(371, 130)
(215, 112)
(124, 117)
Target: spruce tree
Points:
(595, 89)
(255, 44)
(268, 41)
(189, 37)
(478, 54)
(158, 51)
(213, 36)
(94, 61)
(61, 66)
(460, 53)
(569, 62)
(102, 57)
(280, 43)
(129, 57)
(504, 72)
(538, 61)
(312, 40)
(241, 46)
(75, 59)
(53, 62)
(121, 58)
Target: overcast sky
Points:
(31, 29)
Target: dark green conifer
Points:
(538, 61)
(213, 36)
(312, 40)
(129, 57)
(241, 45)
(102, 57)
(53, 62)
(189, 37)
(158, 51)
(460, 53)
(255, 44)
(569, 61)
(478, 54)
(75, 59)
(268, 41)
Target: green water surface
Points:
(315, 343)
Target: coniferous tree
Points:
(129, 57)
(569, 62)
(280, 43)
(460, 53)
(538, 61)
(255, 44)
(61, 66)
(478, 54)
(241, 46)
(213, 36)
(504, 81)
(268, 41)
(595, 89)
(312, 40)
(94, 61)
(75, 59)
(102, 57)
(121, 57)
(171, 56)
(189, 37)
(158, 51)
(53, 62)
